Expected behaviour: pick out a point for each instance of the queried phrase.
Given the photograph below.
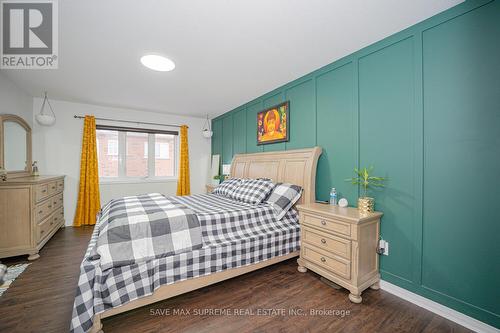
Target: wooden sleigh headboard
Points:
(290, 166)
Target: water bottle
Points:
(333, 196)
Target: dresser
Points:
(31, 212)
(340, 244)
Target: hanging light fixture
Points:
(207, 132)
(43, 118)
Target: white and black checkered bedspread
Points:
(235, 234)
(144, 227)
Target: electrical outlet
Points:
(383, 247)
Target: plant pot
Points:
(366, 204)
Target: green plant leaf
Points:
(365, 179)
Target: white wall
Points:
(13, 100)
(57, 150)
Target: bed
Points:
(237, 238)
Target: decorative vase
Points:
(366, 204)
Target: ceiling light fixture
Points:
(157, 63)
(43, 118)
(207, 132)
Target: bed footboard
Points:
(182, 287)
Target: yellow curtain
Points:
(183, 187)
(89, 201)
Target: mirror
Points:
(15, 145)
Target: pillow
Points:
(227, 187)
(283, 197)
(253, 191)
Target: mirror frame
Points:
(26, 126)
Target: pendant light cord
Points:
(46, 100)
(207, 123)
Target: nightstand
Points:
(340, 244)
(210, 187)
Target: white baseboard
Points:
(443, 311)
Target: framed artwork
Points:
(273, 124)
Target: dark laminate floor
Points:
(41, 299)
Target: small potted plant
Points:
(217, 179)
(364, 178)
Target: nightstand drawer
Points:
(330, 243)
(338, 227)
(210, 188)
(337, 265)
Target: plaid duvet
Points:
(139, 228)
(235, 234)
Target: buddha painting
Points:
(272, 124)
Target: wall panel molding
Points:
(361, 114)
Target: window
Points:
(162, 150)
(112, 147)
(136, 163)
(125, 154)
(108, 162)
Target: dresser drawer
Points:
(44, 228)
(41, 192)
(60, 185)
(52, 187)
(44, 209)
(327, 242)
(326, 224)
(57, 200)
(337, 265)
(58, 216)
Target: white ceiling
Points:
(227, 52)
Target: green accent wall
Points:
(423, 107)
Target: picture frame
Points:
(273, 124)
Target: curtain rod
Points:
(129, 121)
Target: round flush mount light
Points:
(157, 63)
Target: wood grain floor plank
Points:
(41, 300)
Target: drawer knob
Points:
(40, 212)
(323, 240)
(41, 232)
(51, 223)
(323, 259)
(43, 191)
(323, 222)
(53, 187)
(50, 206)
